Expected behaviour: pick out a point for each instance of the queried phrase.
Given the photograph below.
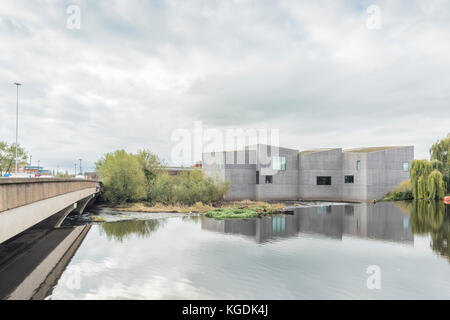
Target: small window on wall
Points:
(358, 165)
(405, 166)
(269, 179)
(279, 163)
(257, 177)
(323, 181)
(349, 179)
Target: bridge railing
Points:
(19, 192)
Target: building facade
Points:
(264, 172)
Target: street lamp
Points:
(30, 159)
(75, 169)
(17, 119)
(81, 169)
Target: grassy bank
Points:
(224, 210)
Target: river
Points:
(322, 251)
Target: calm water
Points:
(316, 253)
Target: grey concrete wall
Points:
(323, 163)
(285, 184)
(356, 191)
(385, 170)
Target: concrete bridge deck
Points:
(27, 202)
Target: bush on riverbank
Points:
(129, 177)
(400, 193)
(189, 188)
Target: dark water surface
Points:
(320, 252)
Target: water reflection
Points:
(432, 218)
(124, 229)
(282, 269)
(382, 221)
(31, 264)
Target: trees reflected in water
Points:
(122, 230)
(433, 218)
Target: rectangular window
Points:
(358, 165)
(269, 179)
(349, 179)
(257, 177)
(405, 166)
(279, 163)
(323, 181)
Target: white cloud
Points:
(136, 71)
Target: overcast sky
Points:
(137, 70)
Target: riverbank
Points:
(243, 209)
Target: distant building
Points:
(35, 171)
(264, 172)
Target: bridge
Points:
(25, 203)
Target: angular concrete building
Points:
(264, 172)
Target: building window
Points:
(257, 177)
(358, 165)
(323, 181)
(269, 179)
(405, 166)
(279, 163)
(349, 179)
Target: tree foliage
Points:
(123, 177)
(131, 177)
(439, 154)
(189, 188)
(8, 154)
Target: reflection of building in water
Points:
(31, 265)
(382, 221)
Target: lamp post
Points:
(30, 159)
(17, 120)
(81, 169)
(75, 169)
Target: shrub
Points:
(122, 176)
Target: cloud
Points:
(135, 72)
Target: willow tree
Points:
(440, 151)
(435, 185)
(420, 169)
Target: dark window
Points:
(349, 210)
(324, 181)
(349, 179)
(257, 177)
(269, 179)
(358, 165)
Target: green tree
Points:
(420, 169)
(439, 152)
(123, 177)
(150, 163)
(435, 186)
(8, 154)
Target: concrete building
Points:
(262, 172)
